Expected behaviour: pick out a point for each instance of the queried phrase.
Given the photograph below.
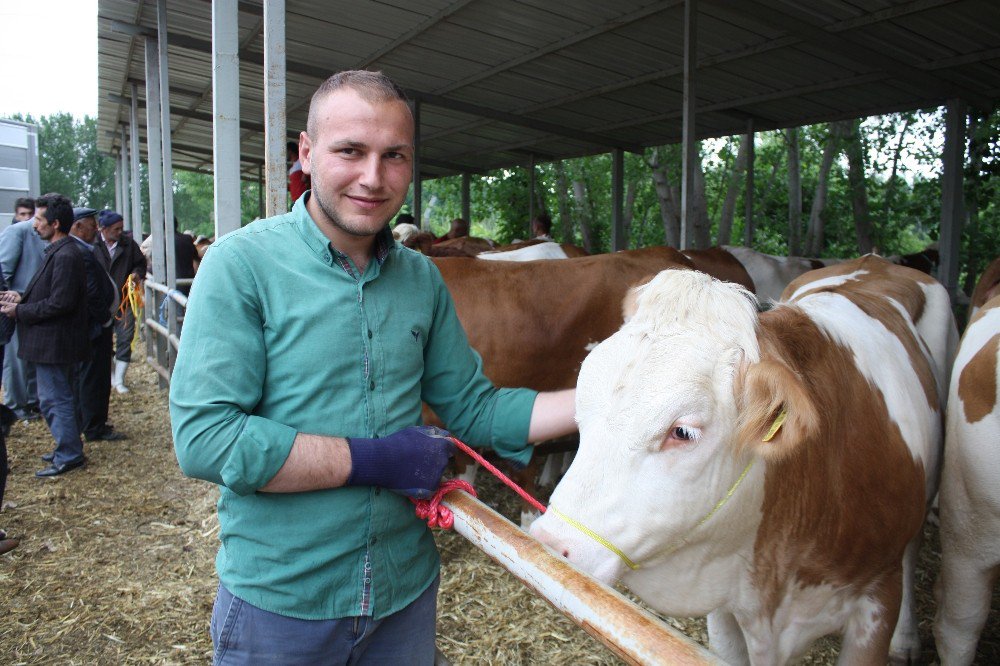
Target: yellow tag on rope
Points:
(776, 426)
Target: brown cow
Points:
(721, 265)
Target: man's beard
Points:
(336, 221)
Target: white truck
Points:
(18, 166)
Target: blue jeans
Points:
(58, 396)
(245, 634)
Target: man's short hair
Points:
(374, 88)
(43, 201)
(59, 209)
(24, 202)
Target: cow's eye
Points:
(680, 435)
(683, 433)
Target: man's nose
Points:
(372, 171)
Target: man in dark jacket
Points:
(121, 257)
(51, 316)
(102, 303)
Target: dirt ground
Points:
(116, 564)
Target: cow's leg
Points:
(725, 638)
(527, 478)
(465, 467)
(905, 646)
(869, 630)
(963, 592)
(549, 475)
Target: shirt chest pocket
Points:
(399, 345)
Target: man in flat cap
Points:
(121, 257)
(51, 316)
(102, 303)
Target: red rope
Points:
(441, 516)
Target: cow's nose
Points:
(549, 540)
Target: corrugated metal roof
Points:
(501, 80)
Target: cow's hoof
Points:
(906, 657)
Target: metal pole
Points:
(118, 181)
(635, 635)
(154, 146)
(531, 193)
(226, 115)
(275, 154)
(127, 184)
(618, 241)
(689, 132)
(748, 195)
(952, 195)
(133, 137)
(168, 178)
(466, 198)
(417, 192)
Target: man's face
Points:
(360, 162)
(22, 213)
(85, 229)
(44, 228)
(113, 233)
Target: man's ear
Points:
(305, 153)
(776, 411)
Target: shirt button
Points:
(369, 334)
(371, 385)
(372, 541)
(378, 491)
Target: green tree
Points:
(69, 162)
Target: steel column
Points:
(275, 154)
(689, 132)
(531, 193)
(748, 229)
(466, 198)
(226, 115)
(135, 224)
(952, 195)
(417, 192)
(127, 183)
(169, 246)
(154, 145)
(617, 200)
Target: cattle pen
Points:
(116, 565)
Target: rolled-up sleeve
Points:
(456, 388)
(218, 381)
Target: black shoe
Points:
(48, 457)
(108, 435)
(7, 545)
(56, 470)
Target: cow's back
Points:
(533, 323)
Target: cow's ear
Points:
(776, 411)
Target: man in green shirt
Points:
(310, 340)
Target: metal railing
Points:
(634, 634)
(164, 307)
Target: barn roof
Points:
(504, 82)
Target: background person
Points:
(24, 209)
(21, 252)
(298, 180)
(51, 317)
(303, 404)
(94, 374)
(121, 257)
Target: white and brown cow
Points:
(970, 490)
(769, 470)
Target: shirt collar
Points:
(321, 245)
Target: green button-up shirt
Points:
(282, 336)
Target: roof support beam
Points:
(689, 128)
(952, 198)
(226, 115)
(417, 191)
(134, 149)
(275, 154)
(748, 192)
(618, 240)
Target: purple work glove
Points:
(409, 462)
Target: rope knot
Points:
(431, 509)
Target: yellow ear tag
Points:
(776, 426)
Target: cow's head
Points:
(672, 409)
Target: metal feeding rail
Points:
(163, 326)
(635, 635)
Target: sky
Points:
(48, 57)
